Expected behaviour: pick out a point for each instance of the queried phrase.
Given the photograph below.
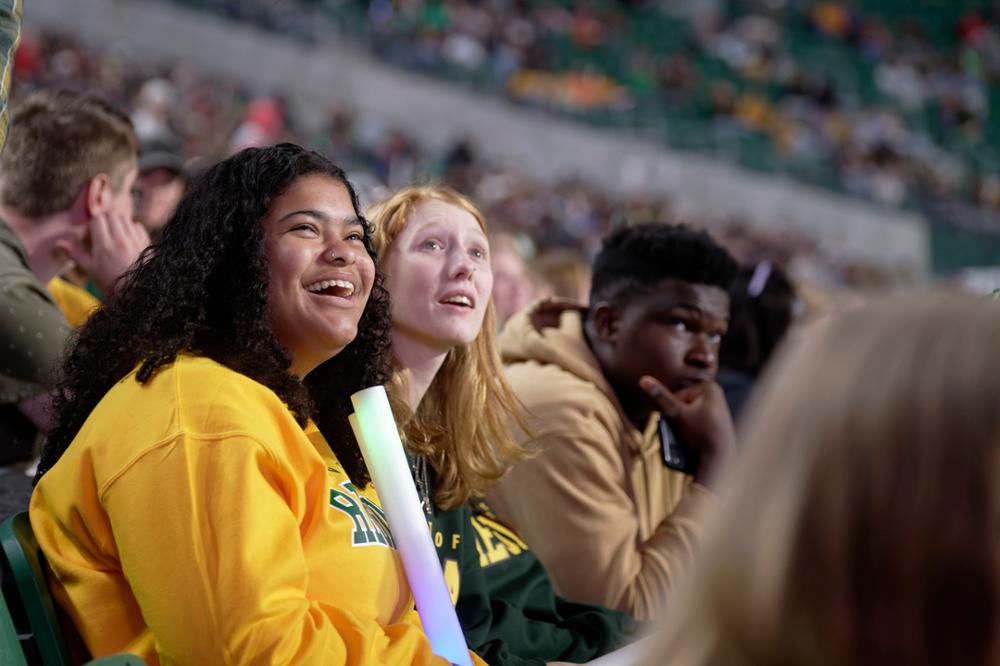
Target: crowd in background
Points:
(204, 118)
(635, 453)
(894, 115)
(846, 96)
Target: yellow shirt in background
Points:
(192, 521)
(76, 303)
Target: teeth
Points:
(326, 284)
(460, 300)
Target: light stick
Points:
(375, 429)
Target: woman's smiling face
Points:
(320, 272)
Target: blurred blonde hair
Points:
(567, 272)
(461, 423)
(861, 524)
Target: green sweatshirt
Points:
(504, 598)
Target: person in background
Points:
(762, 307)
(160, 186)
(13, 490)
(263, 124)
(180, 452)
(512, 285)
(454, 405)
(609, 520)
(860, 525)
(565, 271)
(66, 177)
(11, 12)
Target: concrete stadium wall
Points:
(545, 147)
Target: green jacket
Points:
(505, 601)
(11, 12)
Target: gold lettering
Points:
(438, 539)
(513, 545)
(455, 540)
(504, 532)
(484, 561)
(452, 579)
(495, 551)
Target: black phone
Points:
(675, 454)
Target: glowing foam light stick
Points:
(375, 428)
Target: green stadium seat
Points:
(10, 644)
(24, 561)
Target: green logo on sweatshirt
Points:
(370, 525)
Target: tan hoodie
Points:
(610, 522)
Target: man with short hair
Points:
(66, 179)
(610, 521)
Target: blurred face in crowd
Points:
(672, 331)
(438, 272)
(159, 190)
(321, 273)
(512, 290)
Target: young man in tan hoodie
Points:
(611, 522)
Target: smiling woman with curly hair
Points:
(185, 512)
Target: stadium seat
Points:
(26, 564)
(24, 558)
(10, 645)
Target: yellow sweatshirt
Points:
(192, 521)
(76, 303)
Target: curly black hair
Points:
(203, 289)
(636, 257)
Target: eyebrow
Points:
(696, 310)
(429, 225)
(687, 306)
(320, 215)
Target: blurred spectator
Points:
(10, 34)
(512, 285)
(160, 185)
(12, 492)
(66, 197)
(395, 159)
(762, 307)
(460, 166)
(262, 125)
(855, 529)
(566, 273)
(339, 141)
(152, 109)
